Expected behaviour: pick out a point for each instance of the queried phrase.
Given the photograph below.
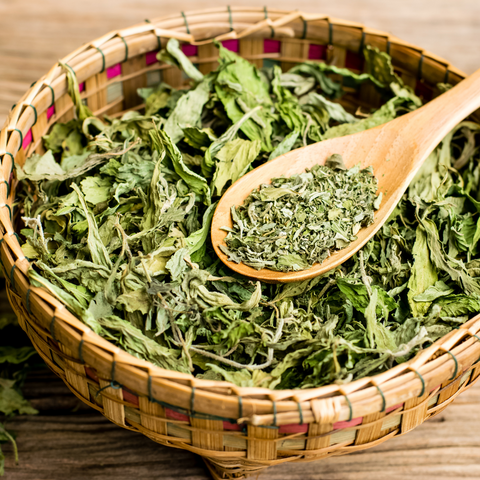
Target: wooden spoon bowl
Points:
(395, 150)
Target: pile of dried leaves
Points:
(295, 222)
(117, 216)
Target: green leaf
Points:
(233, 161)
(440, 289)
(424, 275)
(197, 239)
(174, 56)
(58, 134)
(358, 296)
(39, 167)
(188, 110)
(333, 111)
(457, 305)
(162, 142)
(98, 251)
(81, 109)
(15, 355)
(379, 65)
(443, 262)
(138, 300)
(254, 92)
(379, 335)
(177, 265)
(209, 159)
(285, 145)
(96, 189)
(156, 99)
(135, 342)
(199, 138)
(287, 104)
(11, 401)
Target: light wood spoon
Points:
(395, 150)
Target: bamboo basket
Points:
(238, 431)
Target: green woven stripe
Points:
(126, 48)
(186, 23)
(384, 403)
(159, 40)
(362, 41)
(447, 73)
(300, 413)
(305, 28)
(9, 210)
(265, 11)
(422, 380)
(456, 364)
(274, 414)
(192, 400)
(12, 276)
(11, 155)
(8, 187)
(230, 17)
(27, 301)
(53, 95)
(349, 407)
(34, 111)
(52, 328)
(103, 59)
(80, 351)
(21, 135)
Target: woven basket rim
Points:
(138, 37)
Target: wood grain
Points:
(69, 441)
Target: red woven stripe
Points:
(91, 373)
(28, 139)
(50, 112)
(189, 50)
(231, 426)
(232, 45)
(317, 52)
(114, 71)
(293, 428)
(354, 61)
(169, 413)
(271, 46)
(151, 57)
(130, 397)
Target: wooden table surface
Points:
(67, 440)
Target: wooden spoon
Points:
(395, 150)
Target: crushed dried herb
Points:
(294, 222)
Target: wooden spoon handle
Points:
(430, 124)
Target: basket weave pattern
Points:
(177, 409)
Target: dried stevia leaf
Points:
(118, 220)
